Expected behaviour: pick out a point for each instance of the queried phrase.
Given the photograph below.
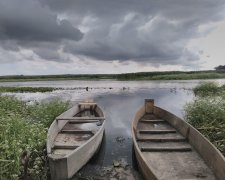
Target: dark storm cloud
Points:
(155, 31)
(31, 22)
(26, 24)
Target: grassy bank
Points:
(42, 89)
(207, 112)
(56, 77)
(167, 75)
(26, 89)
(23, 137)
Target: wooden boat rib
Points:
(168, 148)
(73, 138)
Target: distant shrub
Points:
(220, 68)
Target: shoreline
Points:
(142, 76)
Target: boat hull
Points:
(67, 167)
(207, 151)
(84, 137)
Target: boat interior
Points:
(77, 130)
(167, 152)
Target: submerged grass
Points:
(23, 132)
(207, 113)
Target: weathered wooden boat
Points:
(168, 148)
(73, 138)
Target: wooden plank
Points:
(165, 149)
(153, 120)
(64, 146)
(82, 121)
(76, 131)
(87, 103)
(156, 131)
(161, 139)
(80, 118)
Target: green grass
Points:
(36, 89)
(18, 78)
(24, 128)
(172, 75)
(207, 113)
(208, 89)
(185, 76)
(26, 89)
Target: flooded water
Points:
(119, 100)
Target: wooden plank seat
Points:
(65, 131)
(65, 146)
(156, 131)
(80, 118)
(165, 149)
(181, 139)
(88, 103)
(82, 121)
(153, 121)
(77, 120)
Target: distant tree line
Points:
(220, 68)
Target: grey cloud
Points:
(47, 52)
(31, 22)
(175, 9)
(31, 26)
(137, 39)
(154, 31)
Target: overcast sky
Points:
(110, 36)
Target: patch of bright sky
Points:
(211, 47)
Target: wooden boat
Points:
(168, 148)
(73, 138)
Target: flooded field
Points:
(119, 100)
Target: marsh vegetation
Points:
(26, 89)
(23, 137)
(207, 112)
